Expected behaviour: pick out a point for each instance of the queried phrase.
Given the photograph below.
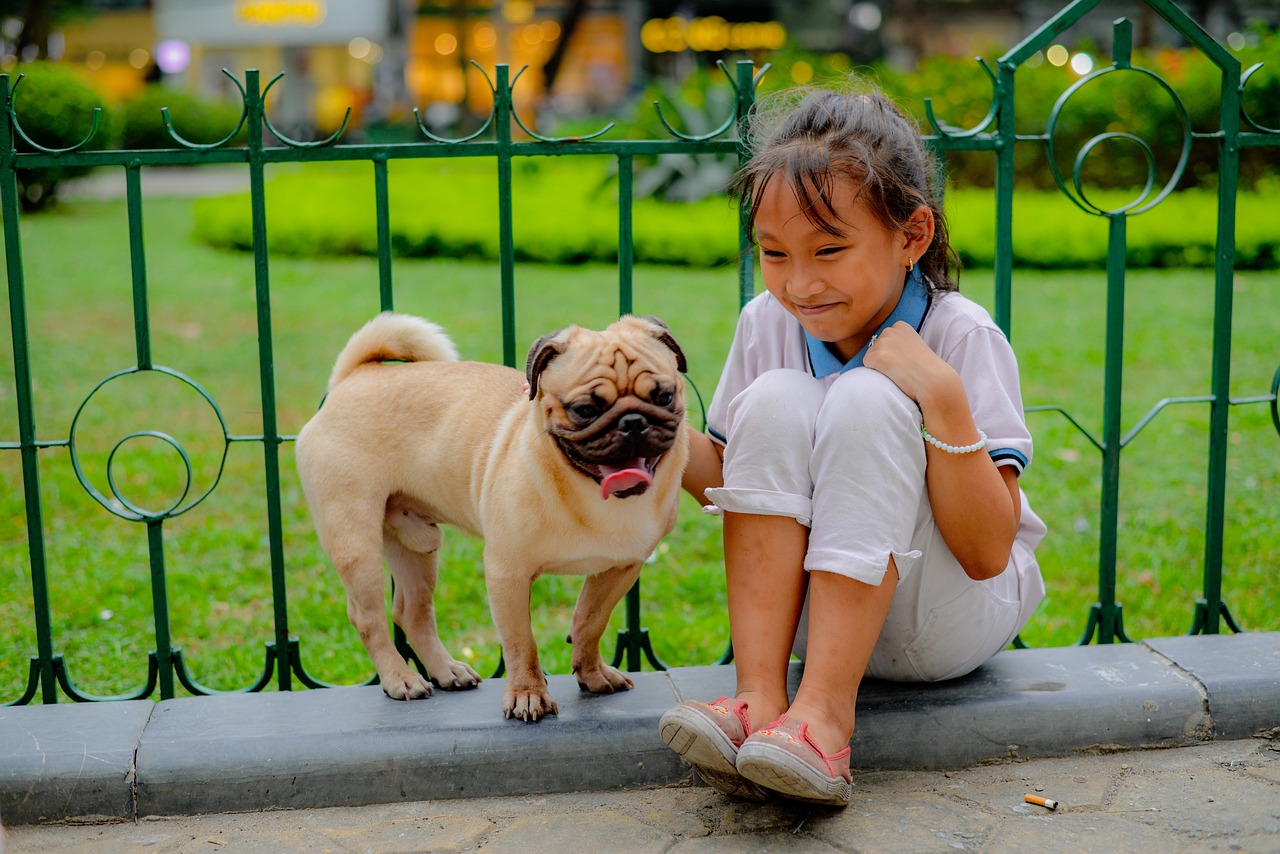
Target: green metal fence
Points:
(497, 139)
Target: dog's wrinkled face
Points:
(613, 400)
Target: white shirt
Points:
(955, 327)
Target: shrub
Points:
(195, 119)
(961, 93)
(55, 109)
(561, 216)
(1130, 102)
(695, 107)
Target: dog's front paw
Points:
(455, 676)
(603, 679)
(527, 705)
(406, 685)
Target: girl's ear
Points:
(919, 233)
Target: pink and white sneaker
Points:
(707, 736)
(783, 758)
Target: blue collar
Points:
(911, 308)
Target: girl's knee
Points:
(866, 408)
(766, 461)
(864, 393)
(778, 400)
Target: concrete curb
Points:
(352, 746)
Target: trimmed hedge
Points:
(1050, 232)
(55, 108)
(194, 118)
(565, 212)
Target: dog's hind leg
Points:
(413, 604)
(354, 544)
(600, 593)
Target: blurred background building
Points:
(382, 58)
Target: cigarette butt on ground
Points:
(1047, 803)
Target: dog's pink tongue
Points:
(621, 478)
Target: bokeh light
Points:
(517, 11)
(446, 44)
(484, 37)
(866, 16)
(172, 55)
(801, 72)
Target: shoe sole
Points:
(704, 745)
(783, 772)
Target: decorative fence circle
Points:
(117, 502)
(1143, 201)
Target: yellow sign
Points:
(280, 13)
(672, 35)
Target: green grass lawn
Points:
(203, 315)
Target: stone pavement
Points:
(941, 767)
(1218, 796)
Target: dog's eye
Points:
(584, 411)
(664, 397)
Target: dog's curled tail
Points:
(392, 337)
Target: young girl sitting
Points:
(864, 446)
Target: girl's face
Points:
(840, 287)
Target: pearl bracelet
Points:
(955, 449)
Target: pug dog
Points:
(573, 467)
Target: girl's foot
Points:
(707, 736)
(784, 758)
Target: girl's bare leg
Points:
(845, 619)
(764, 566)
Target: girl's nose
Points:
(805, 283)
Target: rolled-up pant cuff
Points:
(762, 502)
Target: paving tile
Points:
(542, 834)
(1199, 804)
(1087, 833)
(896, 821)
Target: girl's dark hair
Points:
(813, 138)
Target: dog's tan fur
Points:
(398, 449)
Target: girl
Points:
(864, 446)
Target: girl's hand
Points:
(901, 355)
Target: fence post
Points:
(502, 107)
(1107, 611)
(283, 648)
(1210, 610)
(745, 93)
(42, 667)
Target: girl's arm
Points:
(976, 503)
(704, 470)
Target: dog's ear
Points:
(663, 333)
(541, 353)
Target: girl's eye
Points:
(830, 250)
(771, 253)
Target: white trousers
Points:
(846, 460)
